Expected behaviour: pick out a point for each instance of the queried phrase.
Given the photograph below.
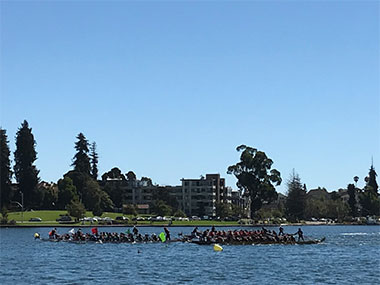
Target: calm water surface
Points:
(350, 255)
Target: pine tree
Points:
(296, 200)
(94, 161)
(5, 170)
(25, 171)
(352, 199)
(81, 159)
(369, 199)
(372, 180)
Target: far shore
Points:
(77, 225)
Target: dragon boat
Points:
(198, 242)
(314, 241)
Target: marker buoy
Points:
(217, 247)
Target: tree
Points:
(94, 161)
(5, 170)
(79, 180)
(115, 193)
(179, 213)
(94, 197)
(114, 173)
(255, 176)
(131, 176)
(296, 199)
(66, 192)
(369, 198)
(97, 211)
(25, 171)
(163, 194)
(237, 211)
(50, 191)
(223, 210)
(147, 180)
(160, 208)
(370, 202)
(352, 200)
(4, 216)
(76, 209)
(81, 160)
(372, 180)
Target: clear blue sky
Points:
(170, 89)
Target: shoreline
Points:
(176, 226)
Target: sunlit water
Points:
(350, 255)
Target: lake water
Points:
(350, 255)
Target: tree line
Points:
(77, 191)
(79, 188)
(256, 179)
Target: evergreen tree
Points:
(372, 180)
(81, 159)
(25, 171)
(352, 199)
(5, 170)
(94, 161)
(296, 200)
(369, 199)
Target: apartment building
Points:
(200, 196)
(195, 197)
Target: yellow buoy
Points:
(217, 247)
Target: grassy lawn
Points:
(49, 218)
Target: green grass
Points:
(49, 218)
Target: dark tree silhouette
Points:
(25, 171)
(81, 160)
(255, 176)
(5, 170)
(94, 161)
(296, 200)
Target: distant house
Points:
(320, 193)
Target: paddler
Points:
(167, 233)
(53, 233)
(281, 231)
(135, 231)
(195, 233)
(300, 234)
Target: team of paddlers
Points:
(207, 236)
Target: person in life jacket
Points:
(53, 233)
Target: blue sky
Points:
(170, 89)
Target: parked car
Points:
(195, 218)
(35, 220)
(138, 219)
(121, 218)
(64, 219)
